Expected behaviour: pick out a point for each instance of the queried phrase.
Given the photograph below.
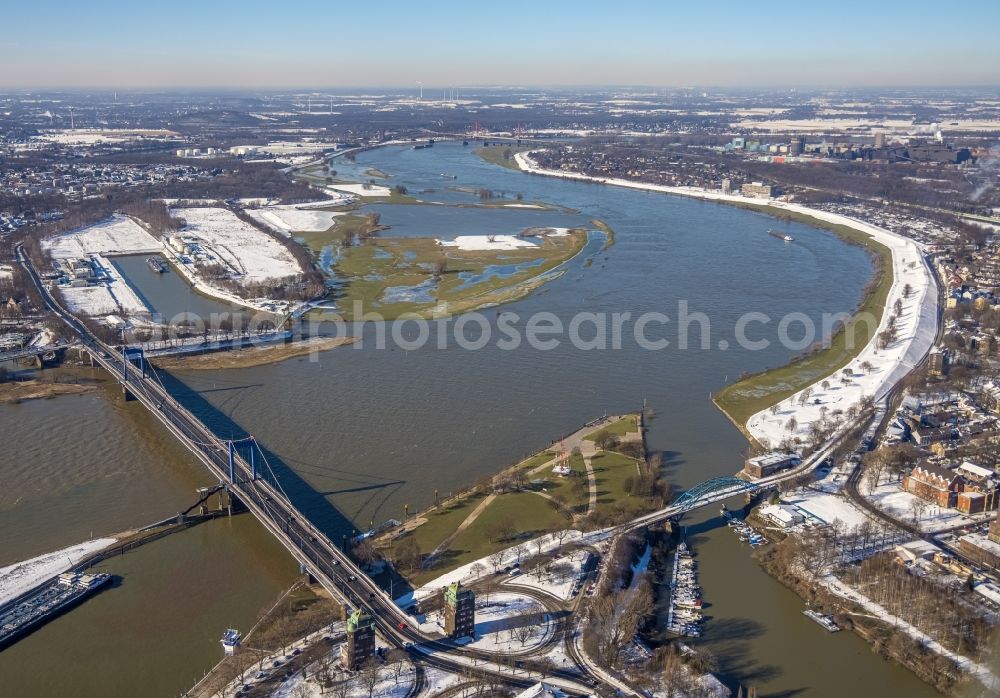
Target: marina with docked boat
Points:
(684, 610)
(744, 531)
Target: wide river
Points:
(361, 432)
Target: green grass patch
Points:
(316, 240)
(375, 265)
(532, 515)
(502, 154)
(753, 393)
(611, 470)
(625, 425)
(607, 230)
(566, 488)
(534, 461)
(441, 523)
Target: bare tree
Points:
(398, 664)
(477, 569)
(341, 688)
(496, 559)
(539, 543)
(370, 675)
(519, 551)
(522, 633)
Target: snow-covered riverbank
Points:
(249, 256)
(916, 325)
(22, 577)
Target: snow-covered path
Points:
(980, 671)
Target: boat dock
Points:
(745, 532)
(58, 596)
(684, 612)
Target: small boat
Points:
(231, 640)
(156, 265)
(824, 620)
(781, 236)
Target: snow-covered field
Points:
(917, 324)
(930, 518)
(253, 253)
(483, 242)
(505, 622)
(83, 136)
(900, 125)
(90, 300)
(917, 327)
(826, 506)
(558, 577)
(499, 621)
(22, 577)
(288, 218)
(117, 235)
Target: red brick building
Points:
(935, 484)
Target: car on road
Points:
(401, 625)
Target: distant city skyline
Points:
(115, 44)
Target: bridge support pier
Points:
(127, 394)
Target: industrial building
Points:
(769, 463)
(758, 190)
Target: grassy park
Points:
(529, 499)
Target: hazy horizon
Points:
(117, 45)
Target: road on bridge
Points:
(330, 565)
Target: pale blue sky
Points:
(665, 43)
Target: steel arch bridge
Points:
(708, 489)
